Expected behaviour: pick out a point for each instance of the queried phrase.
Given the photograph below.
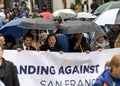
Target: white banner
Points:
(54, 69)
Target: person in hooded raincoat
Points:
(100, 41)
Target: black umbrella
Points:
(79, 27)
(39, 23)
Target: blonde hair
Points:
(114, 61)
(117, 42)
(108, 63)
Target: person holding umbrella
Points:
(111, 76)
(78, 43)
(35, 42)
(15, 13)
(113, 34)
(100, 41)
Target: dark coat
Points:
(83, 7)
(83, 43)
(46, 47)
(8, 73)
(112, 35)
(94, 6)
(21, 46)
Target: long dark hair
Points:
(37, 37)
(52, 34)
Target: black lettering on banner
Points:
(51, 70)
(86, 82)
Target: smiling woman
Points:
(51, 43)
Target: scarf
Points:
(103, 45)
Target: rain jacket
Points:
(106, 79)
(97, 35)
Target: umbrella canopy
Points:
(38, 23)
(46, 15)
(109, 17)
(85, 15)
(14, 22)
(79, 27)
(11, 28)
(64, 14)
(107, 6)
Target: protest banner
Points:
(55, 69)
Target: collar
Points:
(3, 63)
(24, 47)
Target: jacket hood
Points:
(24, 14)
(99, 33)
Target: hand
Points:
(76, 45)
(87, 51)
(100, 49)
(61, 52)
(19, 49)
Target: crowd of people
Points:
(77, 42)
(85, 7)
(42, 40)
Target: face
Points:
(7, 15)
(57, 21)
(51, 41)
(101, 39)
(9, 45)
(115, 28)
(28, 41)
(31, 16)
(93, 1)
(2, 41)
(116, 71)
(33, 32)
(15, 11)
(1, 52)
(78, 36)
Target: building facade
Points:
(52, 5)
